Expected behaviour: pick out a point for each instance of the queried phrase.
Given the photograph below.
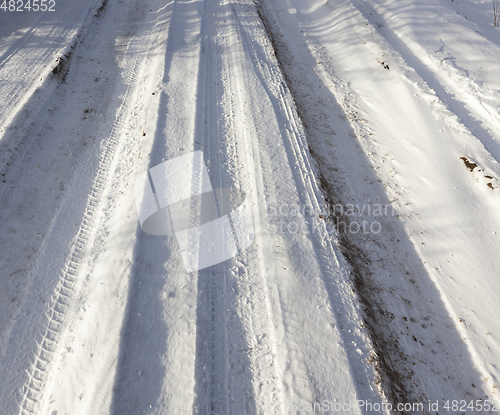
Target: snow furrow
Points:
(468, 103)
(60, 32)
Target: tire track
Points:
(60, 302)
(271, 78)
(235, 345)
(263, 388)
(212, 362)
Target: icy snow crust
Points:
(326, 115)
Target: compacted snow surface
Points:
(361, 273)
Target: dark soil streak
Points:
(61, 70)
(387, 356)
(387, 351)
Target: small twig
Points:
(15, 272)
(496, 13)
(41, 299)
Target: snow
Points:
(382, 114)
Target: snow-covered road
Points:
(365, 135)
